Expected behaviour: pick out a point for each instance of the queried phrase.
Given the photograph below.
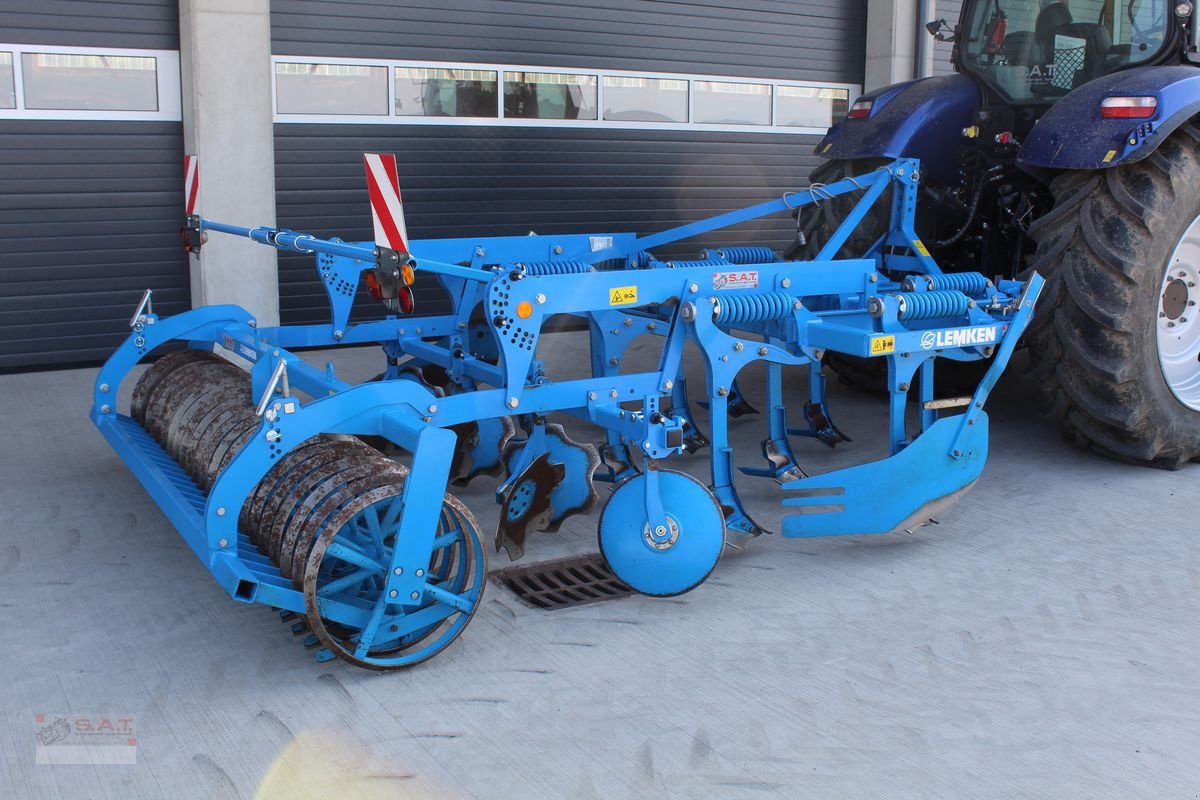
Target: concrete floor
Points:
(1042, 641)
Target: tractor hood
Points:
(918, 119)
(1073, 134)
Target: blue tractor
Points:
(1068, 143)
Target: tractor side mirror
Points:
(939, 29)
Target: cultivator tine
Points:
(618, 463)
(821, 427)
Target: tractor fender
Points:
(1073, 135)
(917, 119)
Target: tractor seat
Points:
(1049, 18)
(1022, 49)
(1075, 66)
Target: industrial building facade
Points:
(506, 117)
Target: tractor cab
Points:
(1033, 52)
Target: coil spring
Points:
(971, 284)
(747, 255)
(707, 262)
(735, 308)
(932, 305)
(641, 260)
(556, 267)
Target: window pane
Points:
(811, 106)
(549, 95)
(645, 99)
(331, 89)
(8, 93)
(733, 103)
(446, 92)
(89, 83)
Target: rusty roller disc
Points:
(296, 486)
(318, 482)
(268, 497)
(157, 372)
(184, 382)
(248, 516)
(162, 398)
(228, 412)
(240, 431)
(420, 644)
(232, 447)
(305, 524)
(205, 427)
(359, 466)
(191, 439)
(181, 426)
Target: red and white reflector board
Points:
(191, 183)
(387, 211)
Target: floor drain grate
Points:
(563, 583)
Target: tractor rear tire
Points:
(1094, 343)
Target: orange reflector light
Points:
(408, 274)
(373, 286)
(524, 309)
(1128, 107)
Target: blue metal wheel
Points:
(677, 557)
(347, 569)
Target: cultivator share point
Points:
(285, 502)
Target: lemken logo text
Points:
(960, 337)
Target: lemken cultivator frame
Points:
(291, 501)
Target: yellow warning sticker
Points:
(1111, 155)
(921, 248)
(882, 345)
(622, 296)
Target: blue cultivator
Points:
(287, 505)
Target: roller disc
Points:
(676, 560)
(227, 414)
(157, 372)
(184, 383)
(239, 433)
(252, 508)
(349, 564)
(322, 502)
(318, 471)
(191, 410)
(527, 507)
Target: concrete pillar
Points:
(225, 64)
(891, 42)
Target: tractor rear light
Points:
(373, 286)
(408, 275)
(861, 109)
(1128, 107)
(405, 300)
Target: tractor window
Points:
(1035, 51)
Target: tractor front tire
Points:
(1111, 250)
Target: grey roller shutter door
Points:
(460, 181)
(89, 210)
